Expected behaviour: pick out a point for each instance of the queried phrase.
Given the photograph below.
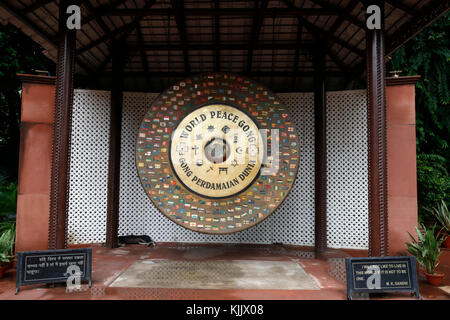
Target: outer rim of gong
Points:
(227, 231)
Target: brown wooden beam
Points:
(36, 5)
(320, 151)
(325, 34)
(342, 13)
(349, 8)
(409, 30)
(53, 41)
(400, 5)
(115, 133)
(180, 13)
(125, 33)
(222, 46)
(297, 52)
(377, 144)
(100, 21)
(260, 7)
(217, 37)
(175, 74)
(143, 55)
(98, 11)
(222, 12)
(60, 171)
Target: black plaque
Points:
(381, 274)
(51, 266)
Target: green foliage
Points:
(18, 54)
(442, 215)
(426, 249)
(8, 205)
(8, 201)
(7, 239)
(433, 182)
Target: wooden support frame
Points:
(260, 7)
(377, 141)
(179, 12)
(115, 134)
(320, 150)
(60, 171)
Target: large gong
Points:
(217, 153)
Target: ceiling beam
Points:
(179, 12)
(142, 51)
(349, 8)
(38, 31)
(400, 5)
(222, 46)
(222, 12)
(297, 52)
(326, 35)
(217, 37)
(343, 13)
(99, 20)
(260, 6)
(174, 74)
(428, 15)
(127, 30)
(36, 5)
(98, 11)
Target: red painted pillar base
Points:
(401, 154)
(38, 100)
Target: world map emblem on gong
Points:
(217, 153)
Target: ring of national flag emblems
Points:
(184, 202)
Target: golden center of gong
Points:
(216, 151)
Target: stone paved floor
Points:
(327, 271)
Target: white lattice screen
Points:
(292, 223)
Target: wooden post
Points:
(320, 147)
(59, 184)
(112, 221)
(377, 144)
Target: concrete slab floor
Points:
(327, 272)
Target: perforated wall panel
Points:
(292, 223)
(347, 175)
(89, 167)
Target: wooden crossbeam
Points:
(217, 37)
(428, 15)
(125, 33)
(326, 35)
(222, 12)
(179, 13)
(400, 5)
(222, 46)
(36, 5)
(260, 6)
(174, 74)
(100, 10)
(344, 13)
(42, 33)
(99, 20)
(297, 52)
(349, 8)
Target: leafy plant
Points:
(433, 182)
(442, 215)
(7, 237)
(426, 249)
(8, 202)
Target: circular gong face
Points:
(217, 153)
